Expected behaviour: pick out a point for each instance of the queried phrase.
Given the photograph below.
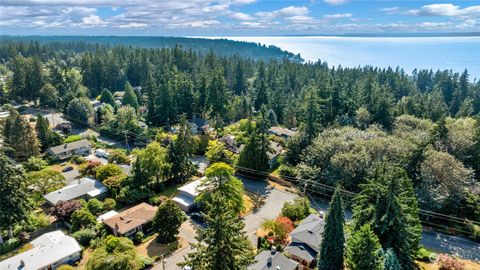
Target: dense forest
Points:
(354, 123)
(202, 45)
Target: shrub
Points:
(107, 171)
(95, 206)
(9, 245)
(35, 164)
(286, 223)
(84, 236)
(446, 262)
(65, 267)
(76, 159)
(82, 218)
(118, 156)
(109, 204)
(297, 210)
(138, 238)
(423, 255)
(89, 168)
(72, 138)
(62, 210)
(287, 171)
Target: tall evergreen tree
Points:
(15, 200)
(391, 262)
(222, 245)
(364, 250)
(333, 236)
(21, 136)
(107, 97)
(254, 155)
(217, 98)
(180, 151)
(261, 97)
(129, 97)
(388, 203)
(240, 86)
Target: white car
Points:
(101, 153)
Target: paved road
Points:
(272, 206)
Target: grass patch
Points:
(153, 249)
(469, 265)
(19, 250)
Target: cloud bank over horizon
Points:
(235, 17)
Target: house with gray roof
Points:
(273, 260)
(48, 252)
(282, 132)
(65, 151)
(306, 240)
(187, 195)
(85, 188)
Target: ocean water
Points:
(455, 53)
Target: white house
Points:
(49, 251)
(64, 151)
(187, 194)
(85, 188)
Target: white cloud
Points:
(285, 12)
(391, 10)
(338, 16)
(336, 2)
(241, 16)
(93, 20)
(448, 10)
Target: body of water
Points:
(455, 53)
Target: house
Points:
(48, 252)
(275, 150)
(282, 132)
(135, 219)
(187, 194)
(273, 260)
(107, 215)
(306, 240)
(85, 188)
(230, 143)
(64, 151)
(199, 125)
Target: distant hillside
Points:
(222, 47)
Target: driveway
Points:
(71, 176)
(187, 232)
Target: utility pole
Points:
(126, 140)
(163, 261)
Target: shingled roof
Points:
(131, 218)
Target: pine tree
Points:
(217, 98)
(180, 151)
(332, 247)
(254, 154)
(391, 262)
(107, 97)
(222, 245)
(167, 221)
(129, 97)
(388, 203)
(15, 200)
(240, 86)
(364, 250)
(262, 96)
(21, 136)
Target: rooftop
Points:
(191, 188)
(84, 186)
(131, 218)
(309, 232)
(272, 260)
(280, 131)
(69, 146)
(47, 249)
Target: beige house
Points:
(65, 151)
(136, 219)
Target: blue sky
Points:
(235, 17)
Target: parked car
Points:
(198, 217)
(67, 169)
(101, 153)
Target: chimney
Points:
(273, 250)
(79, 181)
(65, 146)
(269, 261)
